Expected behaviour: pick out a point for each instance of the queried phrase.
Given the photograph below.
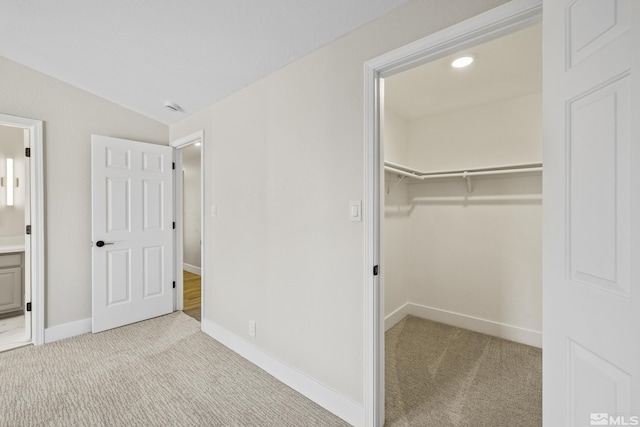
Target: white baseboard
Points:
(67, 330)
(489, 327)
(329, 399)
(397, 315)
(192, 269)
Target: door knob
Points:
(100, 243)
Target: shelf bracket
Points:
(468, 179)
(400, 179)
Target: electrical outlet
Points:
(252, 328)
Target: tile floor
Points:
(12, 329)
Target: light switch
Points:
(355, 210)
(214, 211)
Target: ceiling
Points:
(504, 68)
(142, 53)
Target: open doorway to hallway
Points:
(190, 284)
(191, 230)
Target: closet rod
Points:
(412, 173)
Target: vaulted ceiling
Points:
(141, 53)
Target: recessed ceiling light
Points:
(462, 61)
(197, 144)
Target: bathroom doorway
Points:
(21, 232)
(13, 219)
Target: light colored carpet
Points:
(440, 375)
(161, 372)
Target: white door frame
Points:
(179, 144)
(36, 250)
(497, 22)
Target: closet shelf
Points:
(407, 172)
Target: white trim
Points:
(67, 330)
(191, 268)
(329, 399)
(476, 324)
(36, 178)
(188, 140)
(373, 334)
(179, 144)
(393, 318)
(492, 24)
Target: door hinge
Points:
(375, 270)
(28, 229)
(174, 225)
(174, 285)
(27, 152)
(173, 165)
(28, 306)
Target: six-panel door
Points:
(132, 218)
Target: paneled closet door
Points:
(591, 264)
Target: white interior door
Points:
(132, 231)
(591, 349)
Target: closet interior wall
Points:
(474, 258)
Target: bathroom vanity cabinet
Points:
(11, 279)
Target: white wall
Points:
(191, 214)
(479, 256)
(395, 137)
(70, 116)
(284, 157)
(12, 146)
(475, 254)
(492, 134)
(395, 235)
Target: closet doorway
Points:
(189, 216)
(462, 236)
(589, 299)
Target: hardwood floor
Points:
(192, 295)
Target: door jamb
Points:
(177, 194)
(36, 250)
(494, 23)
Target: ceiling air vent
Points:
(172, 106)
